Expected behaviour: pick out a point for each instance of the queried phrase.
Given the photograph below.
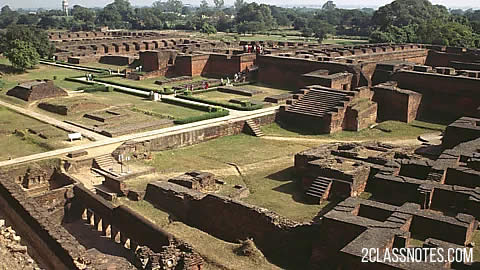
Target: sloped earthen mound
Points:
(36, 90)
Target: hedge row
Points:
(127, 92)
(96, 88)
(206, 116)
(223, 104)
(141, 88)
(151, 113)
(182, 103)
(78, 80)
(100, 70)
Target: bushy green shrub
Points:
(223, 104)
(78, 79)
(141, 88)
(206, 116)
(182, 103)
(98, 88)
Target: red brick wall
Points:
(396, 105)
(442, 59)
(287, 72)
(442, 94)
(212, 64)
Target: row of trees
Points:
(420, 21)
(399, 21)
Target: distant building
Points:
(65, 7)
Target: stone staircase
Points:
(104, 162)
(254, 128)
(319, 189)
(318, 102)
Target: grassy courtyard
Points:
(223, 151)
(265, 166)
(265, 91)
(282, 35)
(16, 141)
(120, 100)
(40, 72)
(385, 130)
(149, 83)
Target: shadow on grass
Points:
(295, 191)
(284, 175)
(298, 130)
(9, 70)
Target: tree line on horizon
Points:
(401, 21)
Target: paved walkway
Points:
(102, 141)
(70, 67)
(148, 135)
(52, 121)
(166, 97)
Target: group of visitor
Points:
(258, 49)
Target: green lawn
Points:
(101, 65)
(399, 130)
(239, 149)
(275, 188)
(121, 100)
(40, 72)
(218, 254)
(149, 83)
(226, 97)
(284, 35)
(23, 143)
(271, 183)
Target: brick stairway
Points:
(254, 128)
(319, 189)
(318, 102)
(104, 162)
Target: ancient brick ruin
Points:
(36, 90)
(377, 195)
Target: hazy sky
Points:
(340, 3)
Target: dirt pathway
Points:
(401, 142)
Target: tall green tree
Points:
(253, 14)
(83, 14)
(118, 14)
(208, 29)
(219, 4)
(406, 12)
(32, 35)
(22, 54)
(8, 17)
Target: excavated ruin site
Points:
(196, 154)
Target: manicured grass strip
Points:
(223, 104)
(182, 103)
(78, 80)
(99, 70)
(141, 88)
(210, 115)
